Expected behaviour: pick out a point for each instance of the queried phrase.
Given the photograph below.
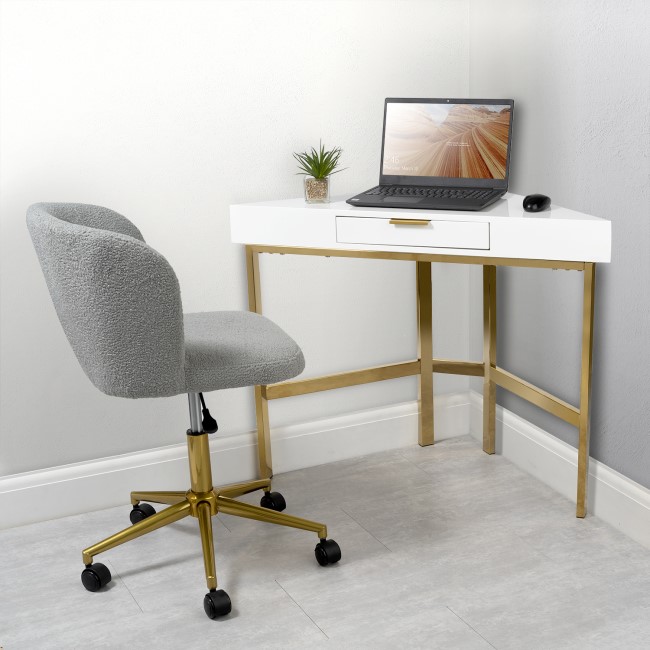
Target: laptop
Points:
(442, 154)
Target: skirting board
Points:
(612, 497)
(92, 485)
(83, 487)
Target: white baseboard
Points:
(83, 487)
(612, 497)
(92, 485)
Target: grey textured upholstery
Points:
(93, 216)
(227, 349)
(119, 303)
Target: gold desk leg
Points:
(263, 434)
(425, 354)
(261, 403)
(585, 385)
(160, 519)
(489, 356)
(207, 543)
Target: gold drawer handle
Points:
(410, 222)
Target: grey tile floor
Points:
(443, 547)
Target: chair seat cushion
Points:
(229, 349)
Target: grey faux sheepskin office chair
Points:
(119, 303)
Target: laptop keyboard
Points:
(431, 192)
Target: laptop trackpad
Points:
(402, 199)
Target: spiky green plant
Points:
(319, 164)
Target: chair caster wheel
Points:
(273, 501)
(217, 603)
(95, 576)
(327, 551)
(140, 512)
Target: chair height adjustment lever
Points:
(209, 423)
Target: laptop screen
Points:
(446, 140)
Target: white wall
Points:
(580, 74)
(168, 112)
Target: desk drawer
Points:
(414, 231)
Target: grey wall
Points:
(580, 74)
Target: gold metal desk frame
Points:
(426, 365)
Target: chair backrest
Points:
(117, 298)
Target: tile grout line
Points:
(363, 528)
(126, 587)
(470, 627)
(224, 525)
(408, 460)
(302, 610)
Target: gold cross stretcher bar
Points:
(425, 365)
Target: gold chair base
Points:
(203, 502)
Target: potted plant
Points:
(317, 166)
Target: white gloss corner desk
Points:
(501, 235)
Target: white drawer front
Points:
(430, 234)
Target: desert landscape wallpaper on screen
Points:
(451, 140)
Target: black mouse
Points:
(536, 202)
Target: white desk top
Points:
(501, 230)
